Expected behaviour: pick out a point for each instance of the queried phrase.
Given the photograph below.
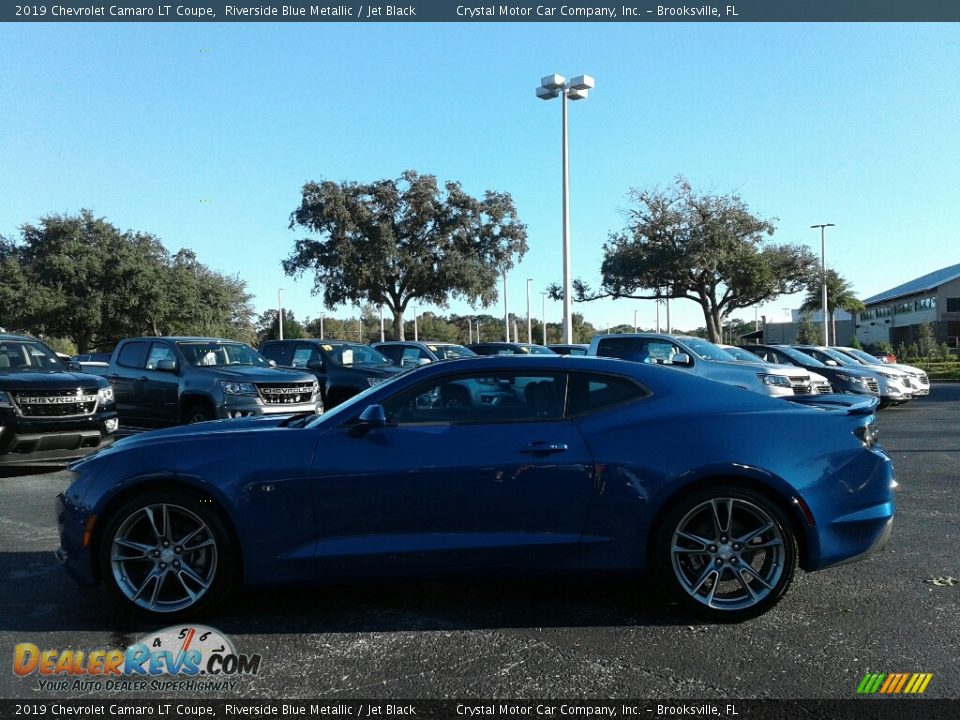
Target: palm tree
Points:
(839, 295)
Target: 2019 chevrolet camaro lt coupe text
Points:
(556, 463)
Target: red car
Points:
(886, 357)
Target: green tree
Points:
(945, 354)
(927, 342)
(808, 333)
(393, 242)
(267, 327)
(706, 248)
(839, 295)
(855, 343)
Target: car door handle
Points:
(544, 448)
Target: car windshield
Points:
(220, 354)
(801, 357)
(706, 350)
(839, 357)
(864, 357)
(28, 356)
(351, 355)
(536, 350)
(451, 352)
(742, 355)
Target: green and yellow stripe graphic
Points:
(894, 683)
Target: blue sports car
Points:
(555, 463)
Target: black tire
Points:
(198, 412)
(214, 562)
(711, 579)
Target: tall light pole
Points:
(669, 325)
(321, 326)
(469, 331)
(381, 324)
(529, 320)
(506, 307)
(553, 86)
(658, 315)
(636, 328)
(416, 336)
(543, 313)
(280, 311)
(823, 278)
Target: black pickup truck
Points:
(49, 411)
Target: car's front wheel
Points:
(726, 553)
(165, 554)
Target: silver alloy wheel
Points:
(164, 558)
(728, 553)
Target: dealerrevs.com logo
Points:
(192, 658)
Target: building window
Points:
(953, 304)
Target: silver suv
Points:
(699, 357)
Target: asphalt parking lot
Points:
(554, 638)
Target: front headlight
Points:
(778, 380)
(887, 375)
(853, 379)
(235, 388)
(314, 388)
(106, 395)
(5, 401)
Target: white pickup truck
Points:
(702, 358)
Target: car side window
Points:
(392, 352)
(131, 354)
(410, 356)
(304, 354)
(480, 399)
(278, 352)
(589, 392)
(159, 352)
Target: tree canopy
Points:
(392, 242)
(80, 277)
(839, 295)
(711, 249)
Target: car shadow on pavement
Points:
(41, 598)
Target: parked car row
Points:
(161, 381)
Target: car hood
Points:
(50, 381)
(244, 373)
(204, 429)
(906, 368)
(376, 370)
(768, 368)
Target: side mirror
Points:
(423, 361)
(681, 359)
(74, 366)
(317, 365)
(373, 416)
(832, 363)
(273, 363)
(167, 365)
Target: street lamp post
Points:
(280, 311)
(543, 313)
(823, 278)
(658, 315)
(553, 86)
(529, 320)
(506, 307)
(415, 330)
(381, 324)
(469, 331)
(321, 326)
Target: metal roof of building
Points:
(920, 284)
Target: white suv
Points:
(699, 357)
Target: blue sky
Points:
(204, 134)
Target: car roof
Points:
(182, 338)
(15, 336)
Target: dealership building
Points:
(896, 315)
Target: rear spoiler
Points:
(853, 404)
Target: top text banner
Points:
(454, 11)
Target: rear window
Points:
(624, 348)
(592, 392)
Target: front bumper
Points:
(38, 442)
(247, 406)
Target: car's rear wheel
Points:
(165, 554)
(727, 554)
